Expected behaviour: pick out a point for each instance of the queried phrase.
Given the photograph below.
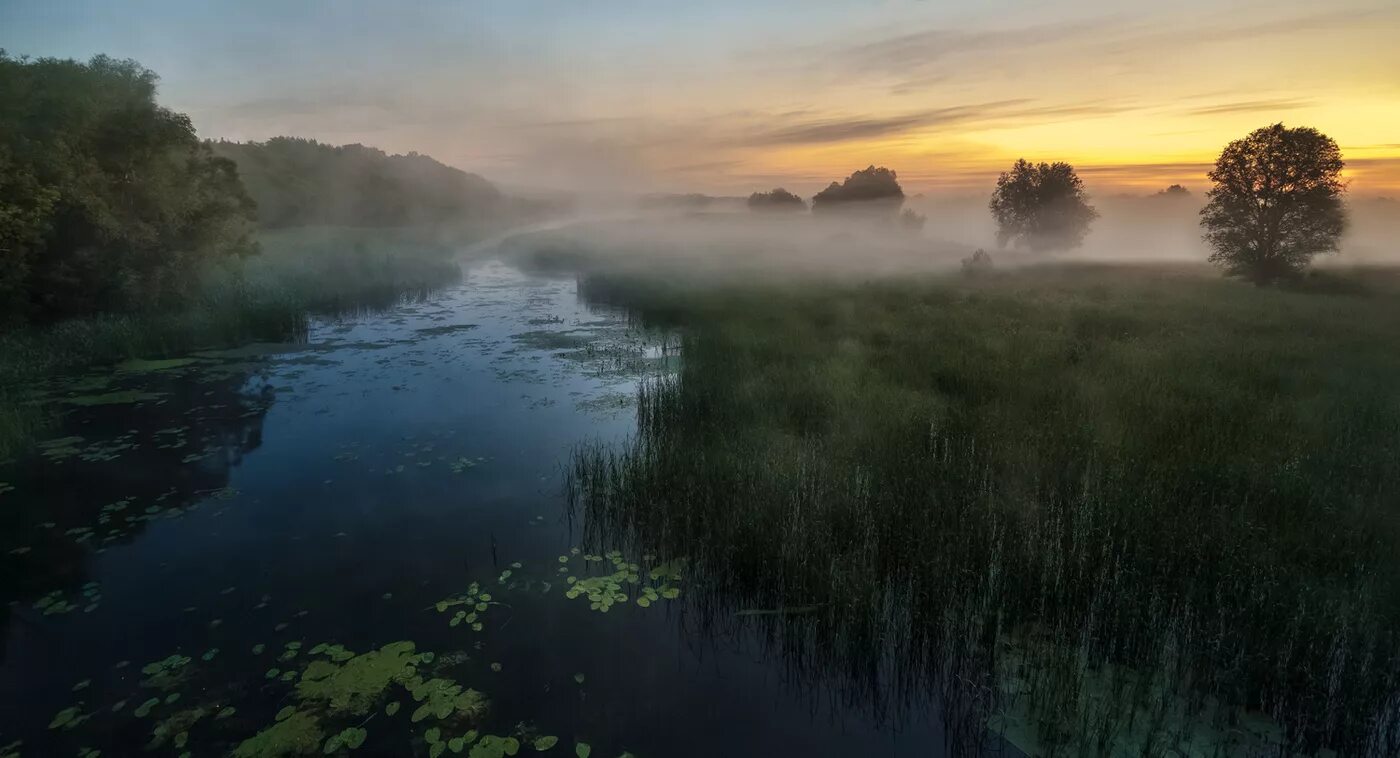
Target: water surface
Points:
(199, 531)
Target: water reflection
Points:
(157, 443)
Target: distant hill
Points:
(302, 182)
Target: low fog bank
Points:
(700, 236)
(1162, 229)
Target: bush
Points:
(778, 199)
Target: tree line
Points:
(1275, 203)
(110, 202)
(302, 182)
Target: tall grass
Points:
(1102, 511)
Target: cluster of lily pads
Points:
(470, 606)
(55, 603)
(603, 591)
(335, 691)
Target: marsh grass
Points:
(1099, 510)
(267, 297)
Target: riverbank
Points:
(265, 297)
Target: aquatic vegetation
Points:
(69, 718)
(359, 683)
(582, 749)
(492, 746)
(298, 734)
(1074, 454)
(465, 464)
(476, 600)
(544, 743)
(176, 728)
(53, 603)
(167, 673)
(444, 699)
(350, 738)
(141, 366)
(60, 448)
(606, 590)
(119, 397)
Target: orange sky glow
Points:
(727, 97)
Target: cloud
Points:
(1250, 106)
(843, 129)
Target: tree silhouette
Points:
(1042, 206)
(870, 189)
(777, 200)
(108, 201)
(1174, 191)
(1276, 202)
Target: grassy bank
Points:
(265, 297)
(1102, 510)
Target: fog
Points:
(704, 236)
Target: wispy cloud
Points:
(847, 128)
(1251, 106)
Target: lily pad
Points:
(358, 684)
(299, 734)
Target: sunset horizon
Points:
(726, 99)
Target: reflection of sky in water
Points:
(358, 479)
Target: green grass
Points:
(266, 297)
(1102, 509)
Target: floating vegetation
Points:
(297, 734)
(139, 366)
(350, 738)
(465, 464)
(360, 682)
(176, 728)
(166, 674)
(69, 718)
(120, 397)
(606, 590)
(445, 699)
(582, 749)
(492, 746)
(542, 744)
(60, 448)
(53, 603)
(477, 602)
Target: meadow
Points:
(1096, 509)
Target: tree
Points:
(1276, 202)
(912, 221)
(1042, 206)
(107, 200)
(301, 182)
(777, 200)
(871, 189)
(1175, 191)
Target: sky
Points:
(728, 97)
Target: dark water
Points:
(334, 493)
